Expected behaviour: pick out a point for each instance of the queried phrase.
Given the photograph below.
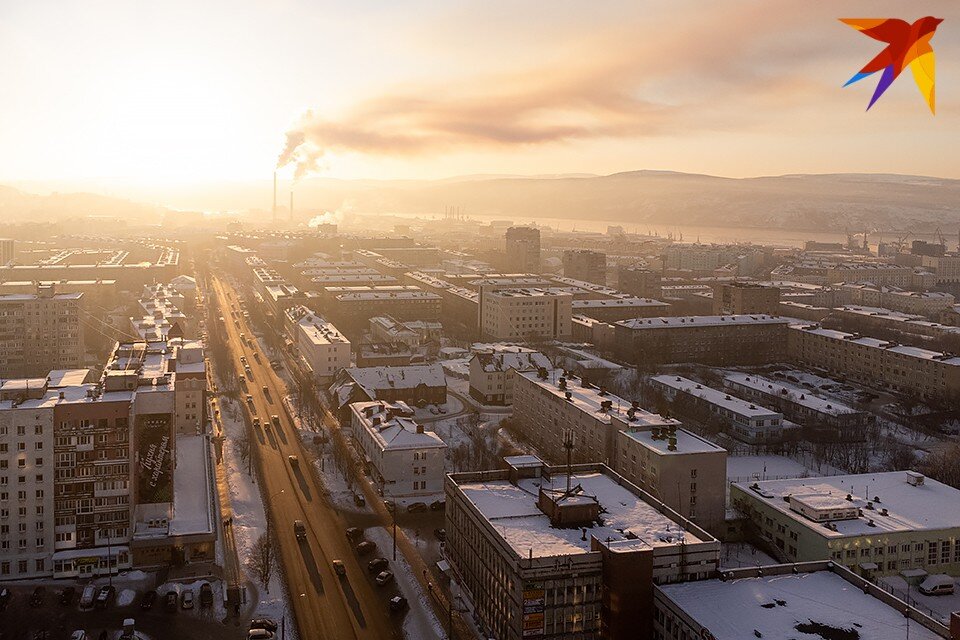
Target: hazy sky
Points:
(188, 91)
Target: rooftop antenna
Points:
(568, 445)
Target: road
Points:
(325, 605)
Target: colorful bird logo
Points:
(907, 44)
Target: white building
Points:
(490, 378)
(515, 314)
(406, 461)
(320, 343)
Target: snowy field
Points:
(249, 520)
(742, 554)
(765, 467)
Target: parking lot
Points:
(54, 621)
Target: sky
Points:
(184, 92)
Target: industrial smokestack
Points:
(274, 196)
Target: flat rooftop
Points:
(931, 506)
(775, 606)
(876, 343)
(701, 321)
(512, 511)
(687, 442)
(798, 395)
(716, 397)
(192, 489)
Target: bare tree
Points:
(242, 443)
(262, 561)
(944, 466)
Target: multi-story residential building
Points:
(352, 307)
(614, 309)
(584, 264)
(6, 251)
(40, 332)
(536, 558)
(523, 249)
(907, 326)
(945, 267)
(713, 340)
(413, 333)
(820, 416)
(517, 314)
(491, 381)
(414, 384)
(924, 303)
(874, 524)
(743, 420)
(406, 461)
(321, 344)
(927, 374)
(816, 599)
(639, 282)
(745, 298)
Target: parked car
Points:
(259, 634)
(398, 603)
(86, 598)
(186, 599)
(299, 529)
(377, 565)
(383, 578)
(206, 595)
(366, 547)
(170, 601)
(294, 460)
(275, 420)
(339, 568)
(354, 534)
(939, 584)
(440, 534)
(147, 600)
(36, 598)
(417, 507)
(359, 500)
(105, 596)
(437, 505)
(66, 596)
(264, 623)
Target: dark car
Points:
(440, 534)
(377, 565)
(417, 507)
(104, 597)
(66, 596)
(437, 505)
(264, 623)
(36, 599)
(206, 595)
(148, 599)
(354, 534)
(170, 601)
(366, 547)
(398, 603)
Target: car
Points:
(275, 420)
(36, 598)
(939, 584)
(79, 634)
(437, 505)
(259, 634)
(249, 399)
(243, 338)
(256, 356)
(417, 507)
(299, 529)
(339, 568)
(354, 533)
(264, 623)
(243, 360)
(294, 460)
(4, 598)
(88, 595)
(377, 565)
(186, 599)
(170, 601)
(391, 507)
(383, 578)
(366, 547)
(147, 600)
(104, 597)
(66, 596)
(359, 500)
(206, 595)
(398, 603)
(440, 534)
(256, 421)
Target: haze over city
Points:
(479, 320)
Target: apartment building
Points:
(522, 246)
(743, 420)
(586, 265)
(39, 332)
(874, 524)
(491, 381)
(406, 461)
(319, 342)
(639, 282)
(531, 551)
(713, 340)
(6, 251)
(353, 307)
(420, 385)
(945, 267)
(927, 374)
(745, 298)
(823, 416)
(906, 325)
(614, 309)
(518, 314)
(924, 303)
(413, 333)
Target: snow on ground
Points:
(249, 520)
(419, 621)
(217, 611)
(125, 597)
(937, 607)
(742, 554)
(765, 467)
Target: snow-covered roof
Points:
(192, 492)
(930, 506)
(686, 442)
(913, 352)
(507, 358)
(318, 331)
(719, 398)
(774, 607)
(797, 395)
(618, 302)
(393, 432)
(400, 377)
(700, 321)
(513, 512)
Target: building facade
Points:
(586, 265)
(518, 314)
(40, 332)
